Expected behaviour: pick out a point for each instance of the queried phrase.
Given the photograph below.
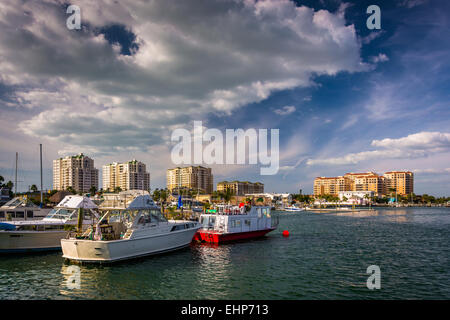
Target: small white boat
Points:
(132, 226)
(46, 234)
(293, 209)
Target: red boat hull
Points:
(212, 236)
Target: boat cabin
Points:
(21, 208)
(125, 214)
(63, 217)
(230, 219)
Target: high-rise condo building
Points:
(324, 185)
(194, 178)
(368, 181)
(401, 181)
(77, 172)
(131, 175)
(240, 188)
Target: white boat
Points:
(132, 226)
(293, 209)
(21, 208)
(46, 234)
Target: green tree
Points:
(228, 195)
(164, 195)
(93, 190)
(34, 188)
(156, 194)
(9, 185)
(117, 189)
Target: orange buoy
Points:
(285, 233)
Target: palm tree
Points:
(228, 195)
(367, 197)
(93, 190)
(71, 189)
(156, 195)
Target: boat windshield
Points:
(61, 214)
(129, 216)
(124, 216)
(150, 216)
(208, 221)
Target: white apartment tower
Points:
(77, 172)
(131, 175)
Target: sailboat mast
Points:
(15, 177)
(40, 150)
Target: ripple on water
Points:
(325, 257)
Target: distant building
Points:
(356, 195)
(77, 172)
(193, 178)
(369, 181)
(278, 198)
(59, 196)
(401, 181)
(240, 188)
(325, 185)
(131, 175)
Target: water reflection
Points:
(216, 267)
(358, 214)
(392, 215)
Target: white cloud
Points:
(411, 3)
(432, 171)
(372, 36)
(381, 57)
(193, 58)
(416, 145)
(285, 110)
(432, 141)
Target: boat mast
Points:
(15, 178)
(40, 150)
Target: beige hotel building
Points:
(401, 181)
(193, 177)
(131, 175)
(240, 188)
(77, 172)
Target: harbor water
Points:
(326, 256)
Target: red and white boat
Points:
(227, 223)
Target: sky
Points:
(345, 98)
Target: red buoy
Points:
(285, 233)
